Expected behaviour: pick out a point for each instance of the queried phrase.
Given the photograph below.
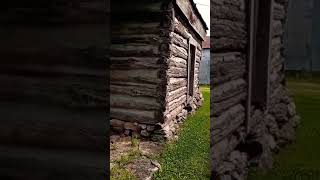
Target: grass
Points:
(189, 157)
(301, 160)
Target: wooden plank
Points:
(190, 13)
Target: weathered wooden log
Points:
(137, 38)
(177, 62)
(68, 91)
(134, 63)
(178, 51)
(228, 12)
(58, 70)
(135, 29)
(223, 43)
(176, 83)
(141, 103)
(54, 13)
(171, 95)
(134, 115)
(174, 72)
(179, 40)
(228, 28)
(180, 29)
(222, 106)
(32, 123)
(135, 89)
(136, 76)
(37, 163)
(229, 121)
(129, 6)
(169, 116)
(228, 90)
(176, 102)
(135, 50)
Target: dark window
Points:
(261, 53)
(191, 66)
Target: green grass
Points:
(189, 157)
(301, 160)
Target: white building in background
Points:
(205, 62)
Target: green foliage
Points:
(189, 156)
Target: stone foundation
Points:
(272, 131)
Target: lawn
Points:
(301, 160)
(189, 156)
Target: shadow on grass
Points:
(301, 160)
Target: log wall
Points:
(177, 106)
(232, 141)
(229, 36)
(149, 67)
(53, 89)
(136, 66)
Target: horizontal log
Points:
(174, 72)
(153, 39)
(134, 63)
(228, 90)
(220, 107)
(39, 163)
(64, 91)
(171, 95)
(180, 29)
(228, 122)
(134, 115)
(171, 105)
(135, 89)
(150, 76)
(179, 40)
(227, 67)
(177, 62)
(228, 28)
(178, 51)
(169, 116)
(176, 83)
(129, 102)
(56, 70)
(135, 29)
(36, 13)
(135, 50)
(52, 126)
(220, 44)
(228, 12)
(145, 6)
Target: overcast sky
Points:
(204, 8)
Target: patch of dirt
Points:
(142, 166)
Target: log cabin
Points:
(252, 114)
(154, 65)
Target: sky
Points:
(204, 9)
